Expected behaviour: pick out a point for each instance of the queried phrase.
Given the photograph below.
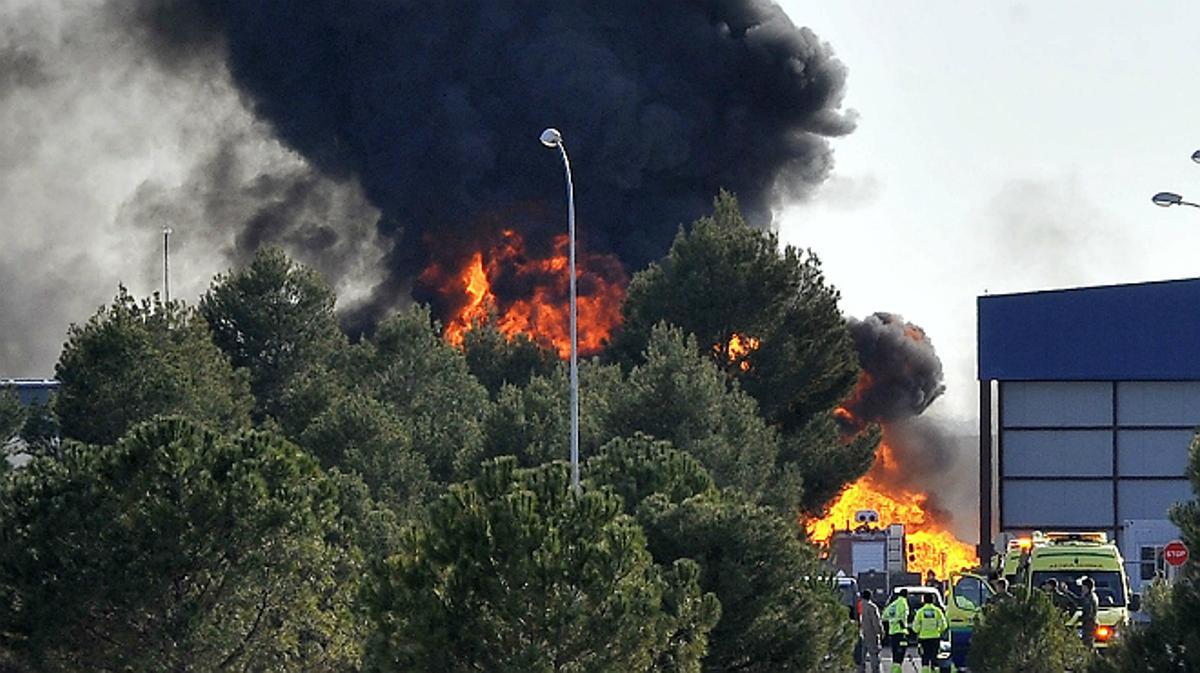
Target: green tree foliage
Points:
(682, 397)
(136, 360)
(276, 319)
(641, 466)
(12, 414)
(821, 462)
(1025, 635)
(497, 359)
(723, 278)
(531, 423)
(177, 550)
(514, 572)
(675, 395)
(425, 384)
(1171, 641)
(358, 434)
(776, 614)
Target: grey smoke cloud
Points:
(100, 146)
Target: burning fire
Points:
(933, 546)
(738, 349)
(539, 297)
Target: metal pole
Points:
(574, 336)
(985, 472)
(166, 264)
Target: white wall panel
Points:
(1046, 504)
(1151, 499)
(1056, 404)
(1153, 453)
(1158, 403)
(1057, 453)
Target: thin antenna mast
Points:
(166, 263)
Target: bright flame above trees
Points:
(535, 298)
(738, 350)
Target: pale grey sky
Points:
(1003, 147)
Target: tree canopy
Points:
(512, 571)
(276, 319)
(769, 320)
(135, 360)
(723, 279)
(1025, 635)
(426, 384)
(358, 434)
(12, 414)
(1171, 641)
(175, 549)
(496, 359)
(777, 614)
(403, 504)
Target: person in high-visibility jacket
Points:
(896, 616)
(929, 624)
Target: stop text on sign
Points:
(1175, 553)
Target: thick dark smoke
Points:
(435, 108)
(935, 456)
(902, 374)
(902, 377)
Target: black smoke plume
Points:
(436, 107)
(902, 374)
(901, 378)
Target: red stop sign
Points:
(1175, 553)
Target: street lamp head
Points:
(551, 138)
(1196, 156)
(1165, 199)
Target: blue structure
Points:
(31, 391)
(1098, 398)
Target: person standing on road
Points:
(1089, 606)
(870, 629)
(896, 616)
(929, 623)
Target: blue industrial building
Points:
(31, 391)
(1097, 398)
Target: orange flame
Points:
(934, 547)
(542, 312)
(738, 349)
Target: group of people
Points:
(1087, 603)
(927, 623)
(898, 622)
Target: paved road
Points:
(911, 665)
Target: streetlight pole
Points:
(1168, 199)
(553, 138)
(166, 263)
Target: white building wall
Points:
(1096, 455)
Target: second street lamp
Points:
(1168, 199)
(553, 138)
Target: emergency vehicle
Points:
(1068, 558)
(967, 596)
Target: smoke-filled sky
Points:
(998, 148)
(373, 139)
(1003, 147)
